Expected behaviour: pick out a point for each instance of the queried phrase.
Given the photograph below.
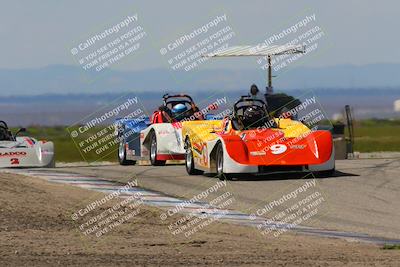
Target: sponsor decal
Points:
(258, 153)
(164, 132)
(198, 148)
(46, 151)
(13, 154)
(297, 146)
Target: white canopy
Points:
(258, 50)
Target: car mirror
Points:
(20, 131)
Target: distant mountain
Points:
(63, 95)
(67, 109)
(60, 79)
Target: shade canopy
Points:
(258, 50)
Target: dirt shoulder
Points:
(36, 229)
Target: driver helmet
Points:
(253, 116)
(254, 90)
(178, 111)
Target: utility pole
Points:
(269, 87)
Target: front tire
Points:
(122, 155)
(220, 164)
(153, 152)
(189, 160)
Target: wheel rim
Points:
(153, 149)
(220, 162)
(121, 151)
(188, 156)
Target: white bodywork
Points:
(26, 152)
(229, 166)
(169, 139)
(326, 166)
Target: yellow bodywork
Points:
(203, 131)
(291, 128)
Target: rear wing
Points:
(259, 50)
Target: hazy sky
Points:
(39, 33)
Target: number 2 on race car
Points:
(278, 149)
(14, 161)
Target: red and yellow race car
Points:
(250, 141)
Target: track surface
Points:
(363, 196)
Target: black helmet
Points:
(254, 90)
(253, 116)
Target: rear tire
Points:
(220, 164)
(189, 160)
(153, 152)
(122, 155)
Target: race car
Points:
(128, 135)
(159, 138)
(24, 151)
(250, 141)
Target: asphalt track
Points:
(360, 200)
(363, 195)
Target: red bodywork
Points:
(270, 147)
(159, 117)
(170, 157)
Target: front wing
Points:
(206, 161)
(39, 155)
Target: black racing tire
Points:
(122, 155)
(153, 152)
(189, 160)
(52, 163)
(220, 164)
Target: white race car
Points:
(24, 151)
(162, 140)
(158, 138)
